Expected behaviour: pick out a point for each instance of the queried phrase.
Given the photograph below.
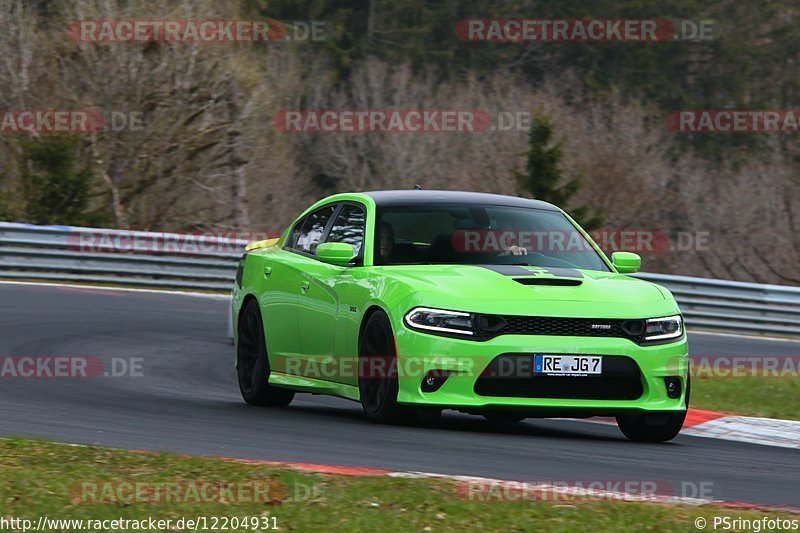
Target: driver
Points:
(514, 250)
(387, 241)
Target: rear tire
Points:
(377, 372)
(252, 363)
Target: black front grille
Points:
(576, 327)
(511, 375)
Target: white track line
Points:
(124, 289)
(764, 431)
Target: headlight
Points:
(659, 329)
(440, 321)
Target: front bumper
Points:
(463, 361)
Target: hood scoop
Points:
(551, 282)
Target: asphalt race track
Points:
(187, 400)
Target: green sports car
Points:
(412, 302)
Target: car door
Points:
(323, 306)
(279, 290)
(286, 278)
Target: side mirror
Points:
(335, 253)
(626, 262)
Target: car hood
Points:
(532, 290)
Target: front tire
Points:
(377, 372)
(252, 363)
(656, 427)
(652, 427)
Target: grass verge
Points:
(764, 396)
(45, 479)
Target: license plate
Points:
(567, 365)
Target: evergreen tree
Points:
(542, 174)
(54, 191)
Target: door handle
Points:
(304, 286)
(267, 271)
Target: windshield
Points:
(480, 235)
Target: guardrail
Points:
(734, 306)
(198, 262)
(118, 257)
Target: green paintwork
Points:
(313, 311)
(335, 253)
(626, 262)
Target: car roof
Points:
(421, 197)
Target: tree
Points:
(53, 190)
(543, 173)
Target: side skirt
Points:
(318, 386)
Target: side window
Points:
(291, 242)
(349, 227)
(313, 229)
